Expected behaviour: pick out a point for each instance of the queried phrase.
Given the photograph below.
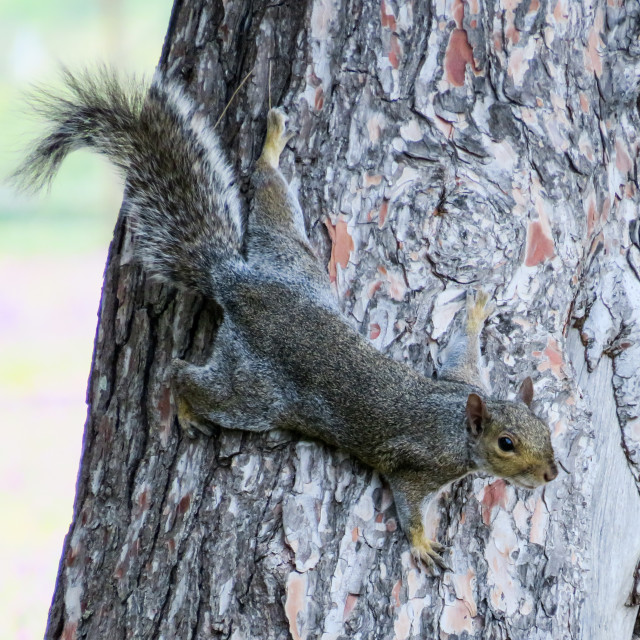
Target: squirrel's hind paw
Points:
(428, 553)
(189, 423)
(277, 137)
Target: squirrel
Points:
(284, 350)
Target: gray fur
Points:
(284, 356)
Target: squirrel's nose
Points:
(551, 472)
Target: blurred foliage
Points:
(38, 37)
(52, 252)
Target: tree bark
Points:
(442, 146)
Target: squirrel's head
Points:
(511, 442)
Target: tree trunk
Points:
(442, 146)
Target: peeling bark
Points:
(441, 146)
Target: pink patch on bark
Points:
(459, 54)
(513, 35)
(560, 11)
(539, 523)
(372, 180)
(397, 288)
(319, 99)
(164, 405)
(374, 330)
(382, 216)
(395, 52)
(374, 287)
(554, 360)
(445, 127)
(388, 20)
(69, 631)
(70, 558)
(342, 246)
(183, 505)
(494, 495)
(374, 128)
(539, 244)
(143, 500)
(592, 215)
(458, 13)
(349, 605)
(463, 584)
(623, 161)
(294, 603)
(395, 593)
(584, 103)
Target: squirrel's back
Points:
(180, 192)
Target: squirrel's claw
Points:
(428, 553)
(187, 421)
(189, 424)
(193, 429)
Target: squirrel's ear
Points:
(526, 391)
(476, 413)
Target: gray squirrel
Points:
(284, 351)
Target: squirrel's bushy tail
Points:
(180, 191)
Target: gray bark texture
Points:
(442, 146)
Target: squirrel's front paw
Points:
(427, 552)
(276, 124)
(479, 308)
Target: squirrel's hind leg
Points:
(234, 390)
(275, 208)
(198, 393)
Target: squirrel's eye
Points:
(506, 444)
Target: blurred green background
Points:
(53, 249)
